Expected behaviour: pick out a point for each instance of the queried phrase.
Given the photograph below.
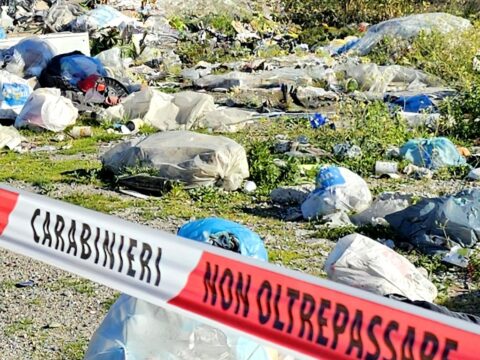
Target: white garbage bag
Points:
(337, 189)
(186, 110)
(47, 109)
(188, 157)
(408, 27)
(363, 263)
(14, 94)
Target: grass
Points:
(80, 286)
(74, 350)
(19, 326)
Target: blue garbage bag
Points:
(415, 103)
(216, 231)
(432, 153)
(77, 67)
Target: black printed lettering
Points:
(120, 248)
(293, 295)
(108, 249)
(431, 340)
(339, 327)
(264, 316)
(305, 315)
(355, 335)
(209, 284)
(59, 226)
(242, 294)
(407, 344)
(84, 237)
(133, 244)
(157, 266)
(227, 274)
(46, 230)
(322, 321)
(450, 345)
(376, 320)
(145, 257)
(278, 324)
(71, 238)
(36, 214)
(392, 325)
(97, 252)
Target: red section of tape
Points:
(313, 320)
(8, 200)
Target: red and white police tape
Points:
(308, 316)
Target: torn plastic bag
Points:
(337, 189)
(15, 92)
(61, 14)
(102, 16)
(436, 308)
(154, 107)
(134, 329)
(432, 153)
(190, 158)
(386, 203)
(408, 27)
(27, 58)
(436, 225)
(47, 109)
(227, 235)
(9, 137)
(66, 70)
(363, 263)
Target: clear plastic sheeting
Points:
(363, 263)
(408, 27)
(9, 137)
(379, 79)
(187, 157)
(28, 58)
(135, 330)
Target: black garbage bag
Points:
(436, 225)
(437, 308)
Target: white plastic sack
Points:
(408, 27)
(14, 94)
(185, 110)
(134, 329)
(188, 157)
(363, 263)
(337, 189)
(112, 61)
(102, 16)
(47, 109)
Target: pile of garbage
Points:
(50, 82)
